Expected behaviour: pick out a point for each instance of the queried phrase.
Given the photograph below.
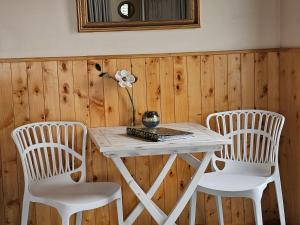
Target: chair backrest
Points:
(255, 135)
(48, 151)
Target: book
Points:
(157, 134)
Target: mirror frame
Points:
(85, 26)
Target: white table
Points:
(114, 143)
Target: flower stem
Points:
(133, 108)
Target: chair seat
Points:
(77, 195)
(226, 182)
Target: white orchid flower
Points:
(125, 78)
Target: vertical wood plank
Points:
(8, 151)
(288, 60)
(208, 106)
(221, 104)
(247, 80)
(273, 105)
(111, 104)
(97, 116)
(221, 83)
(194, 88)
(167, 89)
(140, 98)
(66, 90)
(261, 81)
(168, 116)
(234, 82)
(52, 113)
(36, 113)
(153, 104)
(181, 93)
(125, 114)
(195, 115)
(181, 115)
(82, 114)
(21, 110)
(248, 96)
(235, 102)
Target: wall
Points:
(290, 20)
(177, 86)
(36, 28)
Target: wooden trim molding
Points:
(125, 56)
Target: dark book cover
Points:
(157, 134)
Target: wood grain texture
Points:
(289, 153)
(181, 87)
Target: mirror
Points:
(109, 15)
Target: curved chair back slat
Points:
(50, 149)
(255, 135)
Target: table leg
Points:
(189, 190)
(140, 207)
(145, 199)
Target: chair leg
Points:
(257, 212)
(120, 211)
(65, 220)
(78, 218)
(280, 201)
(220, 210)
(193, 203)
(25, 211)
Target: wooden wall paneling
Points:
(195, 115)
(154, 104)
(9, 167)
(194, 88)
(97, 117)
(293, 157)
(138, 68)
(288, 59)
(261, 81)
(36, 112)
(208, 106)
(70, 89)
(66, 90)
(168, 116)
(221, 104)
(235, 102)
(181, 114)
(21, 111)
(247, 91)
(247, 80)
(261, 102)
(125, 113)
(111, 104)
(52, 112)
(289, 155)
(273, 105)
(82, 114)
(66, 96)
(167, 90)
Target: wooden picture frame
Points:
(85, 26)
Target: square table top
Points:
(114, 142)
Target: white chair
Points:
(244, 168)
(50, 162)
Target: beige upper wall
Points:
(290, 23)
(36, 28)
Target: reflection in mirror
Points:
(138, 10)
